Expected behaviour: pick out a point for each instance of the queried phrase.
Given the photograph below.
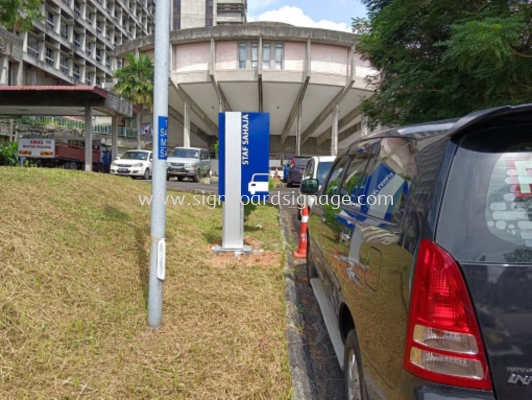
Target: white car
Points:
(258, 186)
(276, 170)
(134, 163)
(318, 167)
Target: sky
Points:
(326, 14)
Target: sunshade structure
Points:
(87, 101)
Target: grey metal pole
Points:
(114, 148)
(88, 139)
(298, 127)
(334, 136)
(160, 142)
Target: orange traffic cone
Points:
(276, 177)
(301, 252)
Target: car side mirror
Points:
(310, 186)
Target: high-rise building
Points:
(200, 13)
(74, 44)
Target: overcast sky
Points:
(327, 14)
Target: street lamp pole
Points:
(160, 150)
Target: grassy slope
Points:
(74, 255)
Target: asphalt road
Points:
(326, 373)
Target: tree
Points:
(444, 59)
(135, 83)
(19, 14)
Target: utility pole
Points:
(160, 150)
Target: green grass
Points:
(74, 256)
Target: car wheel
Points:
(180, 178)
(147, 174)
(197, 177)
(311, 268)
(353, 377)
(290, 184)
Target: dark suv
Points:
(295, 173)
(420, 256)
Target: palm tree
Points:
(135, 83)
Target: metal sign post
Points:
(244, 170)
(160, 150)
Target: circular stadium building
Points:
(311, 81)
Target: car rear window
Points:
(486, 214)
(300, 162)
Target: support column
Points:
(18, 74)
(114, 127)
(138, 120)
(12, 130)
(4, 70)
(334, 137)
(186, 126)
(298, 128)
(88, 138)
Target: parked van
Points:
(189, 162)
(420, 256)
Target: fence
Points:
(39, 122)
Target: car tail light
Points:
(292, 162)
(443, 342)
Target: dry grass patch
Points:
(74, 255)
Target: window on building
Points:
(98, 26)
(279, 56)
(77, 39)
(64, 30)
(176, 17)
(242, 55)
(64, 65)
(88, 78)
(254, 55)
(50, 20)
(77, 8)
(77, 75)
(34, 48)
(98, 81)
(266, 56)
(209, 12)
(98, 55)
(49, 56)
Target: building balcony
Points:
(34, 53)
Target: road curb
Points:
(298, 356)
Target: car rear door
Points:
(485, 223)
(375, 276)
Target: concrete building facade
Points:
(188, 14)
(311, 81)
(74, 44)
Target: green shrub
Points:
(8, 153)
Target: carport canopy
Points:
(84, 101)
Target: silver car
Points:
(189, 162)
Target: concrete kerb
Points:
(299, 359)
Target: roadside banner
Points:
(38, 148)
(244, 152)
